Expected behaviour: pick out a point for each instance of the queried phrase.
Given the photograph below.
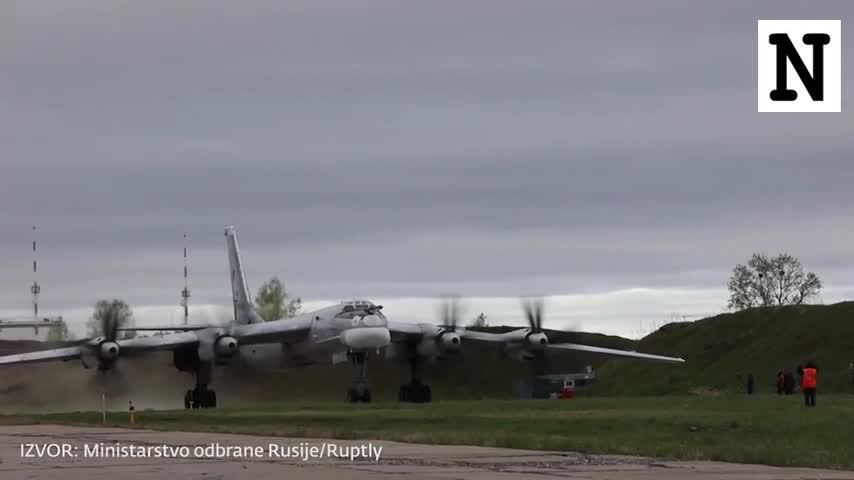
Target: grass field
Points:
(760, 429)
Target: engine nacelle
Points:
(108, 351)
(99, 353)
(225, 346)
(538, 340)
(450, 341)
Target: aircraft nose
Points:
(366, 338)
(373, 321)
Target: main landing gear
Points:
(415, 391)
(201, 396)
(358, 391)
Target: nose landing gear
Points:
(359, 390)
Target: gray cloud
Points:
(406, 149)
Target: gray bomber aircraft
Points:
(344, 332)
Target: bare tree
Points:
(273, 301)
(767, 281)
(480, 321)
(107, 313)
(59, 333)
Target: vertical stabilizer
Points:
(244, 312)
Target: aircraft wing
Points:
(66, 353)
(483, 336)
(403, 331)
(156, 343)
(167, 328)
(128, 347)
(277, 331)
(296, 328)
(617, 353)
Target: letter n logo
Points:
(800, 66)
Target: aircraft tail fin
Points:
(244, 311)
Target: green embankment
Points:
(720, 351)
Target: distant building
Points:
(29, 329)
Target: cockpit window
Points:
(355, 307)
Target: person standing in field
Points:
(809, 382)
(788, 383)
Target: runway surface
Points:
(396, 460)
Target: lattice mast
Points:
(35, 288)
(185, 293)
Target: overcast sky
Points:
(608, 154)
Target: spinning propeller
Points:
(534, 313)
(449, 335)
(103, 352)
(536, 338)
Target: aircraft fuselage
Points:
(335, 331)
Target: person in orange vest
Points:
(809, 382)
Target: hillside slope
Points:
(720, 351)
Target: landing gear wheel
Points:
(200, 399)
(201, 396)
(415, 392)
(358, 394)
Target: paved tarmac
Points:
(139, 454)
